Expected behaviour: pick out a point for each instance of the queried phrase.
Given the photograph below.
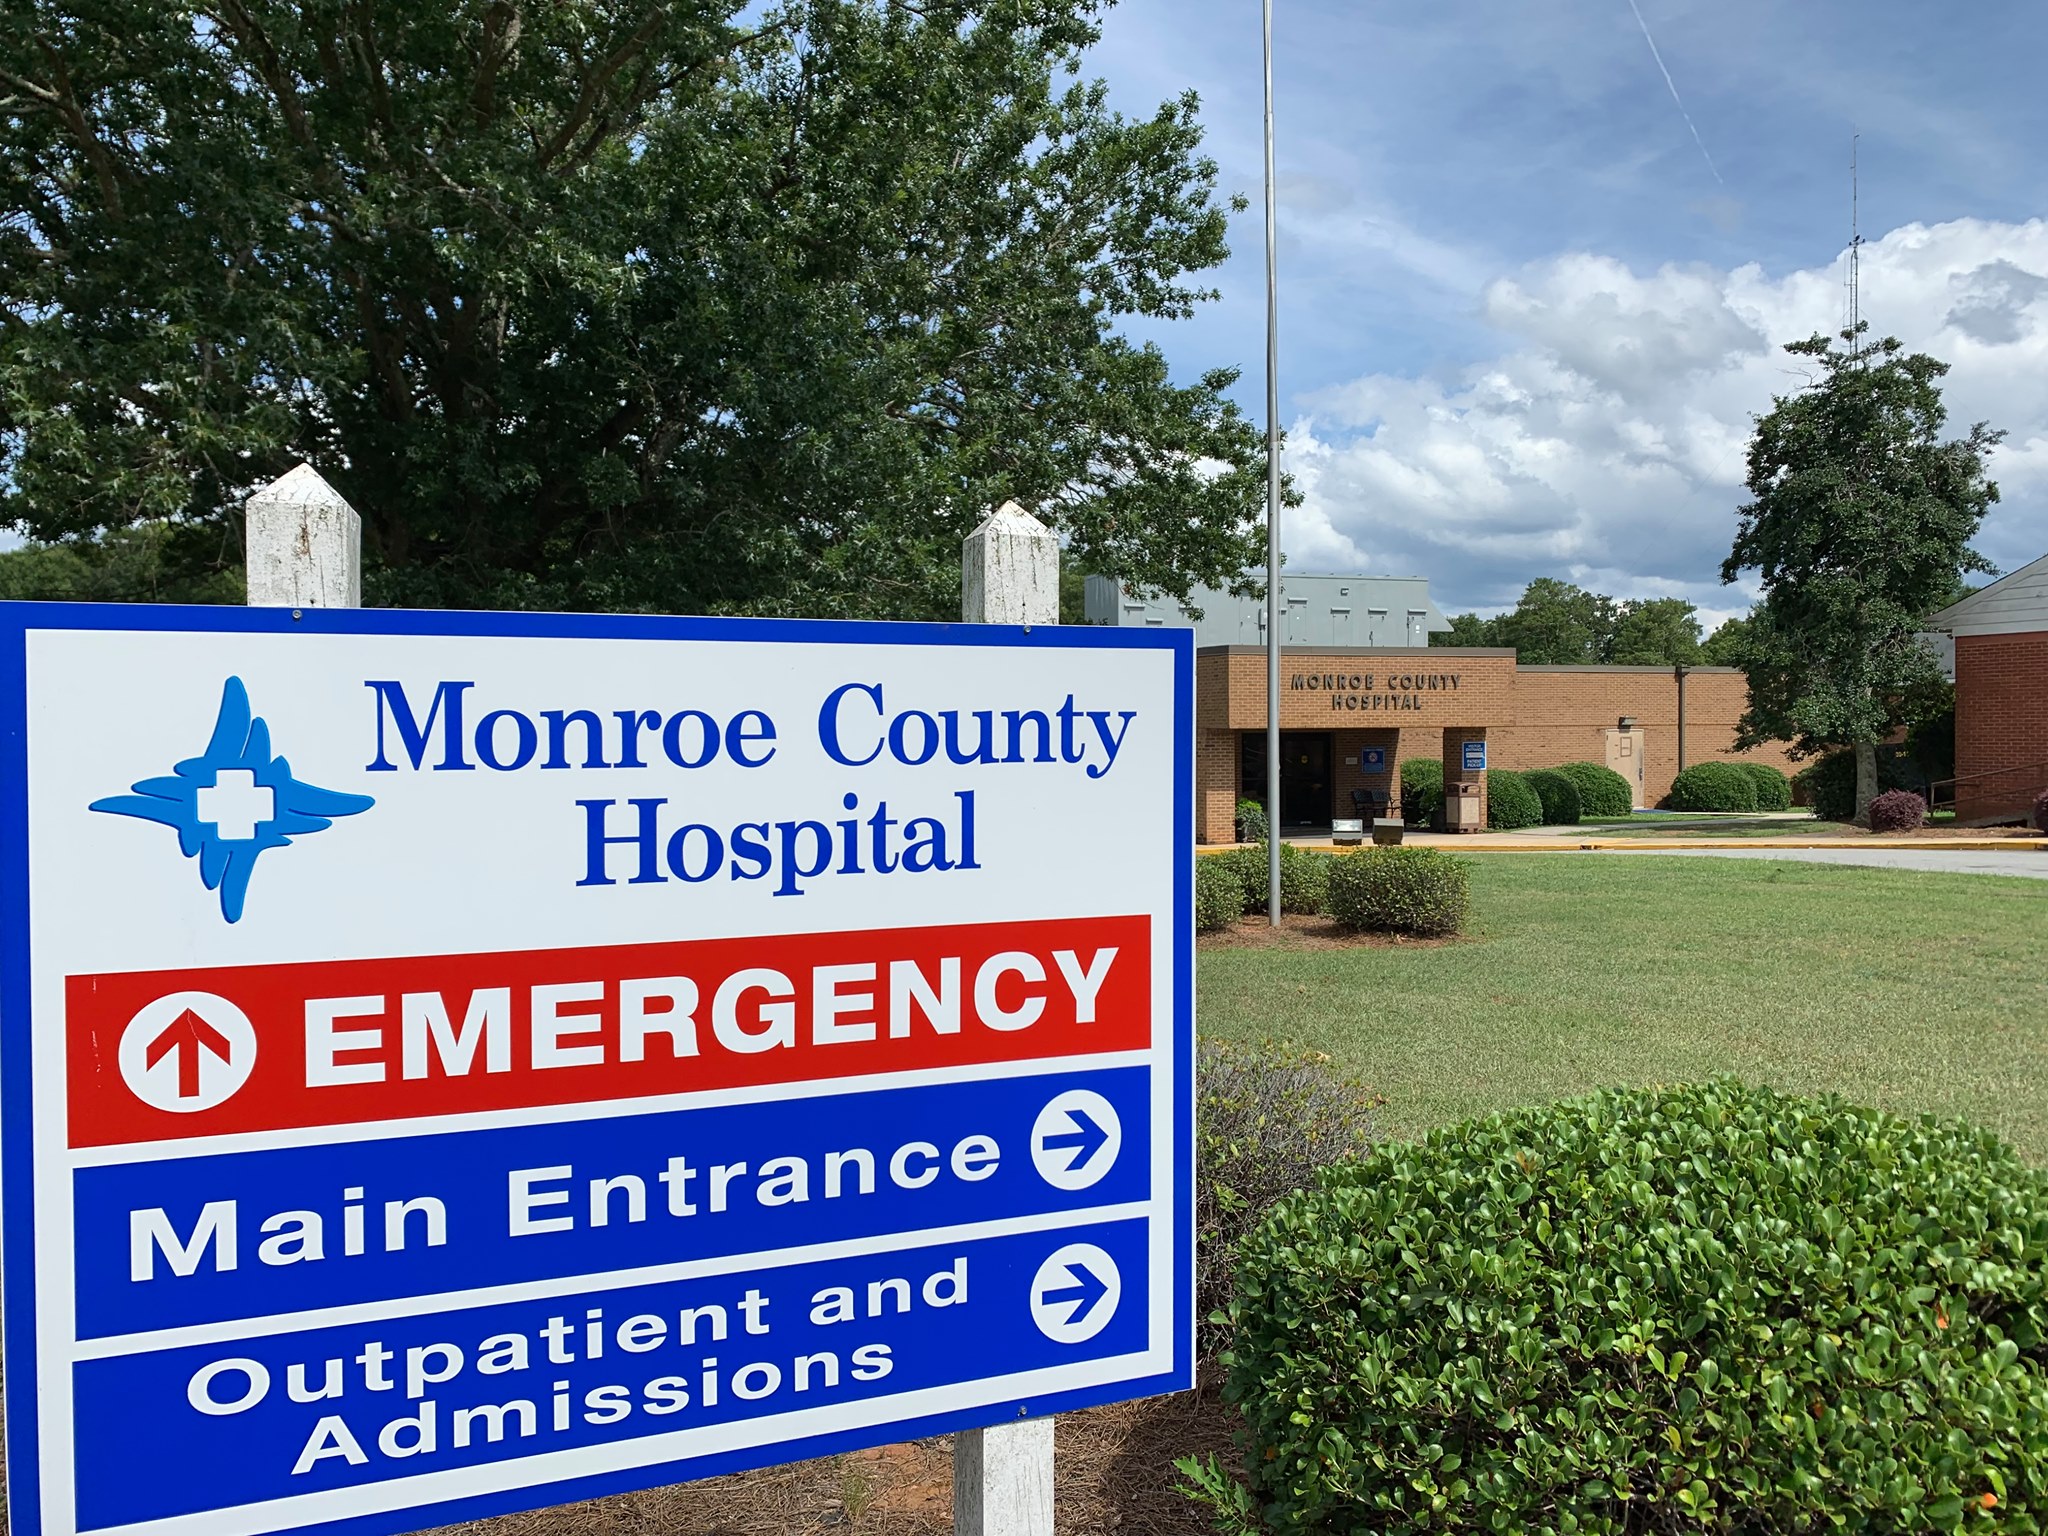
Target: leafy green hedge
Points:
(1702, 1310)
(1219, 894)
(1713, 787)
(1400, 890)
(1422, 779)
(1304, 877)
(1560, 796)
(1829, 784)
(1773, 789)
(1602, 791)
(1510, 802)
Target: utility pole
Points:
(1274, 605)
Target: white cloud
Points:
(1605, 442)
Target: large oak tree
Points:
(688, 306)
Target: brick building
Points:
(2001, 640)
(1350, 715)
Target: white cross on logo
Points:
(237, 804)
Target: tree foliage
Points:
(1858, 527)
(630, 304)
(1559, 624)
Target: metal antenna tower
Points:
(1854, 325)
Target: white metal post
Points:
(1002, 1476)
(1274, 606)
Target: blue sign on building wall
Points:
(1475, 757)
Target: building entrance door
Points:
(1625, 757)
(1305, 778)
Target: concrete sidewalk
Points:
(2028, 862)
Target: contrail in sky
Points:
(1674, 90)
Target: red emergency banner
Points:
(168, 1054)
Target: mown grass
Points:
(1918, 992)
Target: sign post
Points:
(460, 1063)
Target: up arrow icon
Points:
(187, 1052)
(189, 1035)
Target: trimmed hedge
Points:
(1219, 894)
(1602, 791)
(1510, 802)
(1400, 890)
(1701, 1310)
(1773, 789)
(1304, 877)
(1560, 796)
(1898, 810)
(1422, 778)
(1713, 787)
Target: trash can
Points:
(1462, 809)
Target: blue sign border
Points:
(18, 1305)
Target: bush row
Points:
(1705, 1310)
(1375, 890)
(1720, 786)
(1542, 797)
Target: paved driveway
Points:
(2031, 862)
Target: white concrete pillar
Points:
(1002, 1480)
(302, 545)
(1002, 1476)
(1010, 570)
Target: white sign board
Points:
(460, 1063)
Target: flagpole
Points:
(1273, 602)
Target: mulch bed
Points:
(1297, 932)
(1114, 1471)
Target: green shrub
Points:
(1713, 787)
(1304, 877)
(1269, 1116)
(1422, 789)
(1602, 791)
(1560, 796)
(1829, 784)
(1702, 1310)
(1219, 894)
(1773, 789)
(1510, 802)
(1400, 890)
(1251, 822)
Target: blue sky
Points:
(1525, 323)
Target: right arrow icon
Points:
(1075, 1139)
(1075, 1293)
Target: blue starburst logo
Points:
(234, 801)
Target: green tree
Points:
(690, 305)
(1468, 629)
(1723, 648)
(1858, 525)
(1558, 624)
(1655, 631)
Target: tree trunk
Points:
(1866, 780)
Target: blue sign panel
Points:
(1373, 759)
(1475, 757)
(643, 1049)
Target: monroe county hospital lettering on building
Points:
(1361, 690)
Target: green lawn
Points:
(1913, 991)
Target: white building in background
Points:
(1319, 610)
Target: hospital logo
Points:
(234, 802)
